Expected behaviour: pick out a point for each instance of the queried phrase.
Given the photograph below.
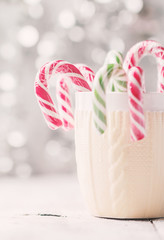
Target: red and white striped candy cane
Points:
(64, 99)
(142, 49)
(64, 103)
(132, 58)
(136, 103)
(50, 69)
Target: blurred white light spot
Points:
(67, 19)
(76, 34)
(46, 48)
(53, 148)
(6, 164)
(50, 36)
(56, 151)
(20, 154)
(7, 51)
(87, 9)
(103, 1)
(134, 6)
(126, 17)
(117, 44)
(23, 170)
(28, 36)
(36, 11)
(66, 154)
(8, 99)
(5, 124)
(16, 139)
(32, 2)
(98, 55)
(7, 81)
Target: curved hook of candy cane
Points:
(141, 49)
(102, 79)
(114, 57)
(56, 68)
(64, 97)
(135, 99)
(87, 72)
(118, 83)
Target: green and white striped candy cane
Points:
(114, 57)
(118, 81)
(101, 81)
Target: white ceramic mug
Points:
(120, 178)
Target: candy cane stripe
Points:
(99, 105)
(67, 106)
(99, 98)
(98, 127)
(131, 96)
(100, 114)
(41, 93)
(42, 101)
(47, 106)
(99, 123)
(138, 125)
(64, 95)
(50, 113)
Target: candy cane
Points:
(142, 49)
(64, 99)
(64, 103)
(136, 103)
(56, 68)
(101, 82)
(118, 82)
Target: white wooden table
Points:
(44, 208)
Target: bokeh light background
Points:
(80, 31)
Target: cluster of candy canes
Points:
(135, 85)
(113, 76)
(80, 75)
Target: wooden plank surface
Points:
(52, 208)
(159, 226)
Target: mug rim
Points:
(118, 101)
